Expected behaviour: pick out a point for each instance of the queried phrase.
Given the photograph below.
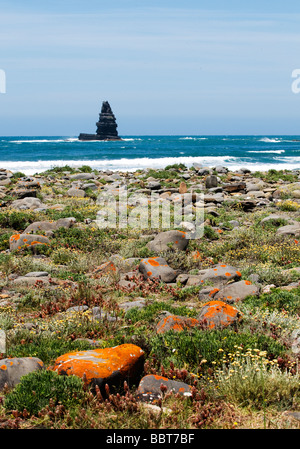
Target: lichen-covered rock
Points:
(103, 366)
(237, 291)
(19, 241)
(208, 293)
(149, 388)
(11, 370)
(169, 240)
(220, 274)
(218, 314)
(157, 268)
(106, 268)
(176, 323)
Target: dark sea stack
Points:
(106, 126)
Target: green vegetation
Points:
(36, 389)
(242, 376)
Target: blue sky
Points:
(166, 67)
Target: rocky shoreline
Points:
(154, 321)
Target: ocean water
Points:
(36, 154)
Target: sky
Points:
(167, 67)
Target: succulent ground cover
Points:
(87, 290)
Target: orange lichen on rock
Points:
(15, 237)
(218, 314)
(213, 292)
(150, 387)
(175, 323)
(106, 267)
(153, 262)
(100, 364)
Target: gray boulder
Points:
(11, 370)
(237, 291)
(157, 268)
(169, 239)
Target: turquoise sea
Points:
(38, 153)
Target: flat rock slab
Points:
(101, 366)
(19, 241)
(237, 291)
(169, 240)
(11, 370)
(149, 388)
(218, 315)
(176, 323)
(157, 268)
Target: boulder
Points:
(296, 194)
(153, 185)
(78, 193)
(138, 303)
(218, 314)
(23, 193)
(220, 274)
(276, 219)
(50, 225)
(176, 323)
(169, 239)
(293, 229)
(19, 241)
(27, 203)
(211, 181)
(183, 188)
(12, 369)
(149, 388)
(237, 291)
(84, 176)
(213, 198)
(157, 268)
(221, 169)
(110, 366)
(235, 187)
(106, 267)
(31, 280)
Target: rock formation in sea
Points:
(106, 126)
